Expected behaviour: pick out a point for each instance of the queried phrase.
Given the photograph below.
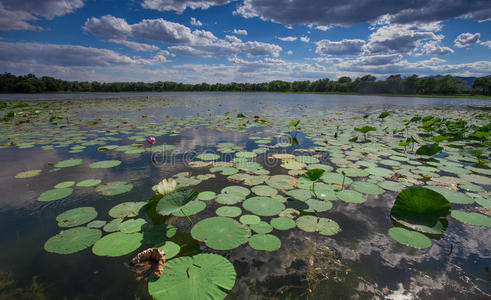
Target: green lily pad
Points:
(220, 233)
(324, 226)
(429, 150)
(103, 164)
(112, 226)
(350, 196)
(282, 182)
(68, 163)
(96, 224)
(28, 174)
(261, 227)
(307, 159)
(265, 242)
(317, 206)
(336, 178)
(132, 225)
(126, 209)
(263, 206)
(206, 196)
(171, 203)
(249, 219)
(367, 188)
(159, 234)
(391, 185)
(117, 244)
(191, 208)
(208, 156)
(89, 182)
(352, 172)
(230, 198)
(64, 184)
(229, 211)
(76, 216)
(72, 240)
(236, 189)
(282, 223)
(199, 277)
(301, 195)
(293, 165)
(410, 238)
(264, 190)
(452, 196)
(421, 209)
(170, 249)
(245, 154)
(55, 194)
(114, 188)
(471, 218)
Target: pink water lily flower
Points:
(151, 140)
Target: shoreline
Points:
(469, 96)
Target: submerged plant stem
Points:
(187, 217)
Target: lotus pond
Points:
(266, 196)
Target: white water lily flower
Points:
(166, 186)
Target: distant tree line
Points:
(394, 84)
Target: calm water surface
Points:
(360, 262)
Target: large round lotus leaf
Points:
(206, 196)
(68, 163)
(113, 225)
(410, 238)
(264, 190)
(452, 196)
(174, 202)
(208, 156)
(76, 216)
(236, 189)
(282, 182)
(317, 206)
(263, 206)
(117, 244)
(230, 198)
(64, 184)
(114, 188)
(471, 218)
(391, 185)
(27, 174)
(293, 165)
(282, 223)
(224, 170)
(220, 233)
(96, 224)
(421, 209)
(261, 227)
(72, 240)
(336, 178)
(350, 196)
(352, 172)
(126, 209)
(301, 195)
(367, 188)
(199, 277)
(471, 187)
(89, 182)
(245, 154)
(229, 211)
(249, 219)
(105, 164)
(324, 226)
(55, 194)
(158, 235)
(170, 249)
(484, 202)
(133, 225)
(191, 208)
(265, 242)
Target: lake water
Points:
(359, 260)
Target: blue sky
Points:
(243, 40)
